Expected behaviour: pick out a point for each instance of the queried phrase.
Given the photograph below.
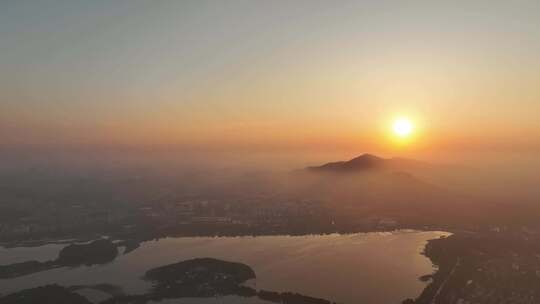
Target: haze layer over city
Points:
(269, 151)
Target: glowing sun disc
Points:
(403, 127)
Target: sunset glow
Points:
(345, 151)
(279, 90)
(403, 127)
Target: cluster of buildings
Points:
(79, 219)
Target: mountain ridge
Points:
(367, 162)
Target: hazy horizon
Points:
(257, 77)
(279, 151)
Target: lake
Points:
(378, 267)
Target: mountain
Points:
(369, 162)
(404, 189)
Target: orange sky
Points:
(271, 76)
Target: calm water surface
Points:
(354, 268)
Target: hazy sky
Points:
(270, 75)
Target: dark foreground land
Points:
(497, 265)
(493, 255)
(197, 278)
(489, 267)
(96, 252)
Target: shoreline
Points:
(143, 238)
(425, 296)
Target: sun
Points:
(403, 127)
